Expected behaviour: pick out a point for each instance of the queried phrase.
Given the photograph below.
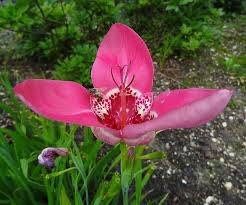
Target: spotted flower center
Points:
(122, 106)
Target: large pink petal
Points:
(63, 101)
(169, 100)
(182, 109)
(123, 47)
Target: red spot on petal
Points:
(109, 110)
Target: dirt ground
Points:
(205, 165)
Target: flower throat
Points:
(122, 105)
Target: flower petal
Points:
(48, 155)
(113, 137)
(169, 100)
(63, 101)
(105, 135)
(123, 47)
(142, 140)
(182, 109)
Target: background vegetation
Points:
(65, 34)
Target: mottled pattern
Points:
(110, 108)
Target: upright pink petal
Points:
(123, 47)
(182, 109)
(63, 101)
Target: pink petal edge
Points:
(192, 111)
(113, 137)
(105, 135)
(120, 46)
(63, 101)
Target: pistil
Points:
(123, 113)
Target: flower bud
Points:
(48, 155)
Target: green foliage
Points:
(50, 29)
(64, 34)
(58, 32)
(180, 26)
(77, 66)
(23, 181)
(236, 65)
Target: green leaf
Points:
(101, 165)
(77, 160)
(24, 166)
(114, 188)
(163, 200)
(172, 8)
(185, 29)
(153, 155)
(148, 174)
(6, 109)
(184, 2)
(98, 200)
(137, 171)
(23, 129)
(64, 199)
(77, 194)
(56, 174)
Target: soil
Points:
(205, 165)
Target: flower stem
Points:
(125, 196)
(138, 174)
(126, 172)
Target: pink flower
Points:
(125, 108)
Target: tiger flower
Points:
(49, 154)
(125, 110)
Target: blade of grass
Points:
(77, 160)
(64, 199)
(56, 174)
(101, 165)
(163, 200)
(77, 197)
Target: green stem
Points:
(126, 172)
(138, 174)
(125, 196)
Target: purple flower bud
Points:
(48, 155)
